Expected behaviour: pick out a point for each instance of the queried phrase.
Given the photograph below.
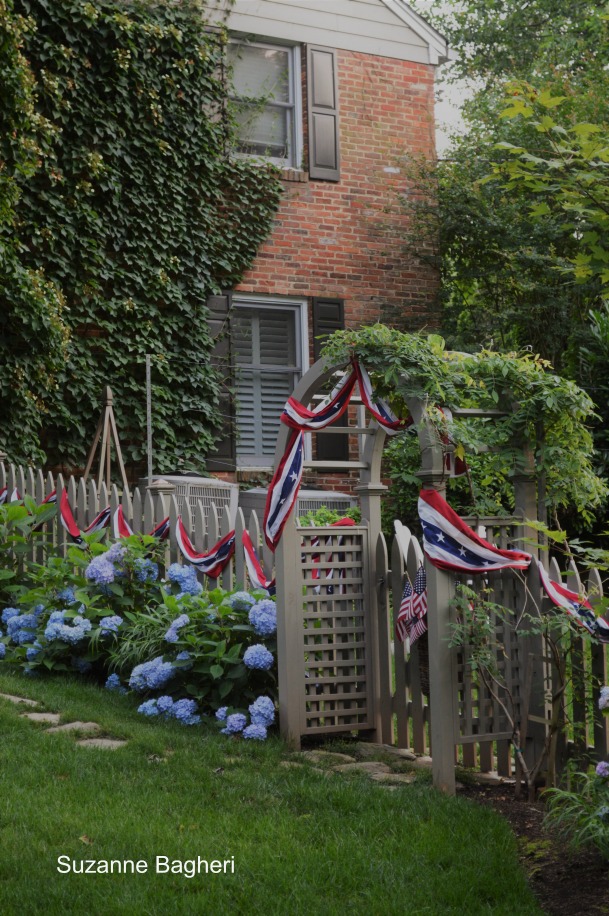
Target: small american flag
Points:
(412, 617)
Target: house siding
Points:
(366, 26)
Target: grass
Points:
(302, 842)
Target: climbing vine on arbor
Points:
(137, 212)
(540, 409)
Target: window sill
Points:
(290, 174)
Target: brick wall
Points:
(334, 239)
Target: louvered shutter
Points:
(322, 87)
(223, 457)
(329, 316)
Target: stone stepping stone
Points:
(367, 766)
(12, 699)
(50, 718)
(370, 749)
(107, 744)
(90, 728)
(395, 778)
(329, 757)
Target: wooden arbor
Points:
(339, 648)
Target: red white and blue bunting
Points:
(255, 571)
(211, 563)
(450, 544)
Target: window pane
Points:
(264, 133)
(260, 72)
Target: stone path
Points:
(71, 728)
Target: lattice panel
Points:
(338, 694)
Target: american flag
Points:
(412, 617)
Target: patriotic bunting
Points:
(577, 608)
(120, 526)
(452, 545)
(68, 521)
(162, 530)
(211, 563)
(379, 408)
(255, 571)
(327, 411)
(283, 490)
(412, 616)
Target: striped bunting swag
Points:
(283, 490)
(211, 563)
(577, 608)
(327, 411)
(380, 410)
(451, 544)
(67, 520)
(14, 498)
(412, 616)
(120, 526)
(255, 571)
(162, 530)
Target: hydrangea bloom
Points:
(258, 657)
(185, 712)
(257, 732)
(116, 553)
(9, 612)
(33, 651)
(100, 570)
(151, 675)
(222, 713)
(263, 617)
(172, 633)
(145, 570)
(184, 657)
(110, 624)
(186, 578)
(113, 683)
(241, 601)
(66, 595)
(234, 724)
(603, 702)
(149, 708)
(2, 650)
(71, 632)
(602, 769)
(22, 628)
(262, 711)
(164, 704)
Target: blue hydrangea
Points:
(33, 651)
(38, 610)
(113, 682)
(71, 632)
(82, 665)
(9, 612)
(22, 628)
(185, 712)
(241, 601)
(149, 708)
(258, 657)
(116, 553)
(151, 675)
(184, 657)
(234, 724)
(110, 624)
(257, 732)
(145, 570)
(2, 650)
(262, 711)
(66, 595)
(172, 633)
(100, 570)
(602, 769)
(186, 578)
(263, 617)
(222, 713)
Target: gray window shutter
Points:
(322, 86)
(223, 457)
(329, 316)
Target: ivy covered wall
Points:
(137, 212)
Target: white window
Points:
(266, 85)
(269, 338)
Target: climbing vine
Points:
(539, 409)
(137, 212)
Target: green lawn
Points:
(301, 842)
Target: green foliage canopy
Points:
(138, 212)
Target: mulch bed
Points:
(565, 882)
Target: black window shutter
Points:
(322, 86)
(329, 316)
(223, 457)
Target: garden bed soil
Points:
(565, 882)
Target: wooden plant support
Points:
(106, 430)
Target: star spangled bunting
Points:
(120, 526)
(211, 563)
(283, 490)
(255, 571)
(412, 616)
(162, 530)
(380, 410)
(67, 520)
(327, 411)
(452, 545)
(100, 521)
(579, 609)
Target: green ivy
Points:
(137, 212)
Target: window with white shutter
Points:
(267, 339)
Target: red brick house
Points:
(348, 88)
